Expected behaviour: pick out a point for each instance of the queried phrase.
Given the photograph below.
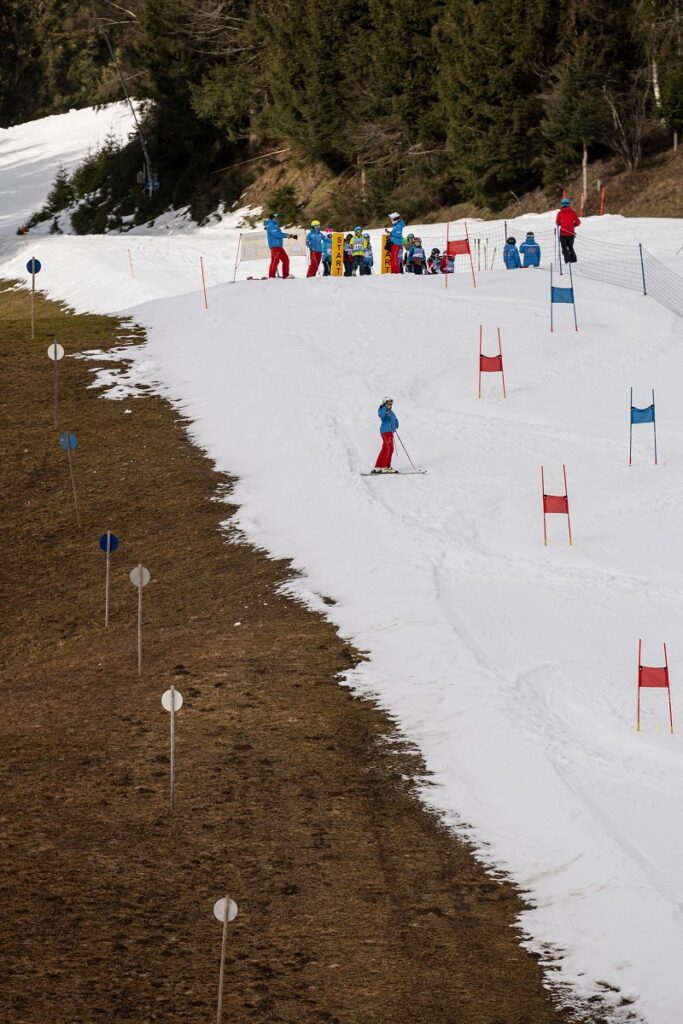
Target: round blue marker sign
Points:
(113, 542)
(68, 440)
(33, 266)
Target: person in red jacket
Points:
(567, 221)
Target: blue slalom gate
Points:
(646, 415)
(562, 295)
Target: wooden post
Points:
(130, 263)
(201, 264)
(448, 232)
(237, 258)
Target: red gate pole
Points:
(566, 494)
(545, 532)
(448, 234)
(502, 371)
(638, 706)
(668, 691)
(481, 333)
(469, 250)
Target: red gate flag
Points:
(655, 678)
(555, 503)
(490, 364)
(460, 247)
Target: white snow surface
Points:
(511, 665)
(31, 153)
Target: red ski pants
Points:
(386, 451)
(314, 264)
(277, 254)
(396, 251)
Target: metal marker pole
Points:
(224, 943)
(56, 361)
(33, 292)
(73, 480)
(106, 583)
(172, 746)
(139, 619)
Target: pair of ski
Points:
(398, 472)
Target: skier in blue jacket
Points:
(531, 251)
(396, 239)
(387, 428)
(510, 255)
(276, 237)
(315, 243)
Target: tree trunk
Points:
(584, 167)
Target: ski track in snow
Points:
(511, 665)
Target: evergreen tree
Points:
(493, 55)
(577, 118)
(312, 66)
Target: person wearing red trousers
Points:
(396, 239)
(276, 237)
(567, 221)
(315, 243)
(388, 426)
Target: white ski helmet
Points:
(388, 398)
(394, 216)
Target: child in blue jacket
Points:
(387, 429)
(417, 259)
(531, 251)
(510, 255)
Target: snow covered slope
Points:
(512, 665)
(31, 153)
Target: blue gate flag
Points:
(643, 415)
(68, 440)
(561, 294)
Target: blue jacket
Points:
(315, 240)
(389, 420)
(396, 235)
(276, 235)
(327, 246)
(416, 252)
(531, 251)
(511, 257)
(368, 258)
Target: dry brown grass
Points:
(355, 905)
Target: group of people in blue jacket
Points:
(529, 251)
(405, 251)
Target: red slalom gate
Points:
(555, 503)
(490, 364)
(461, 247)
(653, 678)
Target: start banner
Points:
(337, 253)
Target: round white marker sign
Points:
(171, 700)
(219, 909)
(139, 576)
(55, 351)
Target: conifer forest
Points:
(407, 103)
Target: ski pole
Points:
(406, 451)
